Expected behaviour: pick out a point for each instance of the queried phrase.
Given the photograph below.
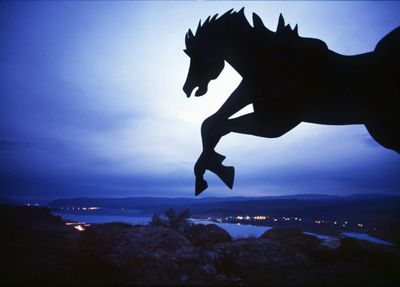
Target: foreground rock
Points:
(292, 237)
(39, 250)
(36, 248)
(143, 254)
(204, 235)
(160, 255)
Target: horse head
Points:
(208, 46)
(205, 50)
(201, 72)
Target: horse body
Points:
(289, 80)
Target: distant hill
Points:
(294, 205)
(7, 201)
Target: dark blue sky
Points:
(91, 103)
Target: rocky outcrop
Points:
(160, 255)
(119, 254)
(146, 254)
(292, 237)
(203, 235)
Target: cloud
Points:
(15, 144)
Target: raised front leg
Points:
(212, 162)
(268, 126)
(211, 132)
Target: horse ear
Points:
(241, 11)
(281, 23)
(190, 34)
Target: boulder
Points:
(293, 237)
(144, 254)
(202, 235)
(117, 242)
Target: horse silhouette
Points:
(289, 79)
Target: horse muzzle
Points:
(187, 89)
(202, 90)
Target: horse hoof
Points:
(201, 185)
(226, 174)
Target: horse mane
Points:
(284, 33)
(209, 25)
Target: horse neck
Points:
(238, 50)
(351, 71)
(347, 64)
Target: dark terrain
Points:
(379, 214)
(38, 249)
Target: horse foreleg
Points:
(268, 126)
(212, 130)
(212, 162)
(210, 159)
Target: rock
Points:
(292, 237)
(202, 235)
(145, 254)
(118, 241)
(51, 254)
(352, 248)
(281, 233)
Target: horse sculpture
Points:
(289, 79)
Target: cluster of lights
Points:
(80, 226)
(284, 218)
(81, 208)
(90, 208)
(336, 223)
(247, 217)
